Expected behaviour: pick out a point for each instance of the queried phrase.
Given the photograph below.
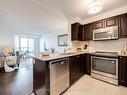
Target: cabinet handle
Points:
(77, 56)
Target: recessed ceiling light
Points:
(95, 6)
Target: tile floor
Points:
(90, 86)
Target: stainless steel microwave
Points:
(106, 33)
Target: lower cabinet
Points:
(79, 65)
(76, 68)
(87, 60)
(41, 79)
(123, 70)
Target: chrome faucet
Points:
(66, 49)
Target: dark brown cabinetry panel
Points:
(123, 70)
(98, 24)
(76, 68)
(112, 21)
(123, 26)
(79, 65)
(84, 32)
(41, 78)
(76, 32)
(87, 58)
(87, 33)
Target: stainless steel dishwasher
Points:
(59, 76)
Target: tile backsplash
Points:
(109, 45)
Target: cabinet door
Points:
(39, 76)
(123, 26)
(112, 21)
(75, 68)
(98, 24)
(123, 71)
(75, 32)
(87, 58)
(87, 32)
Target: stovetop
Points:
(101, 53)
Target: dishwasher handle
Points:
(60, 61)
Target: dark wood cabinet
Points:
(87, 33)
(79, 65)
(108, 22)
(76, 31)
(98, 24)
(123, 70)
(87, 60)
(41, 80)
(76, 68)
(112, 21)
(123, 26)
(84, 32)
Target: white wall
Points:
(111, 45)
(51, 41)
(6, 39)
(29, 17)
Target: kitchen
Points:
(99, 50)
(77, 47)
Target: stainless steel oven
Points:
(105, 68)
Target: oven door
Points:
(107, 67)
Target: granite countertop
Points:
(59, 56)
(122, 54)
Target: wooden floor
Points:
(18, 82)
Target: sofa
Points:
(8, 55)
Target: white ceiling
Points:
(78, 8)
(45, 16)
(31, 16)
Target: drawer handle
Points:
(77, 56)
(62, 63)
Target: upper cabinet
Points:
(123, 26)
(112, 21)
(87, 33)
(76, 32)
(98, 24)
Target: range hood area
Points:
(108, 33)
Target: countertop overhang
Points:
(59, 56)
(56, 56)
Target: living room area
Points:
(20, 54)
(16, 67)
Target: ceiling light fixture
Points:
(95, 6)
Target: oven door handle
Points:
(93, 62)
